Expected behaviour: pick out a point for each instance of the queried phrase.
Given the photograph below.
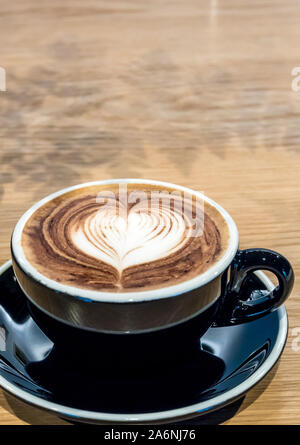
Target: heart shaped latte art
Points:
(136, 238)
(116, 244)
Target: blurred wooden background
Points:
(196, 93)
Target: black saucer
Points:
(231, 361)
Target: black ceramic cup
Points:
(146, 325)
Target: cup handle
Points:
(235, 310)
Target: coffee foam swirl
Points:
(79, 241)
(127, 240)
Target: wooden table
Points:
(197, 93)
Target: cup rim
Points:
(131, 296)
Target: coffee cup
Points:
(145, 270)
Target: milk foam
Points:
(124, 241)
(114, 244)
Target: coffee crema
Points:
(101, 237)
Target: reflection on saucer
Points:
(80, 383)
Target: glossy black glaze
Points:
(237, 309)
(79, 378)
(112, 317)
(129, 350)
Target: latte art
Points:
(127, 241)
(111, 245)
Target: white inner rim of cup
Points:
(133, 296)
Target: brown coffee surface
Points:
(111, 239)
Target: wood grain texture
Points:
(195, 93)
